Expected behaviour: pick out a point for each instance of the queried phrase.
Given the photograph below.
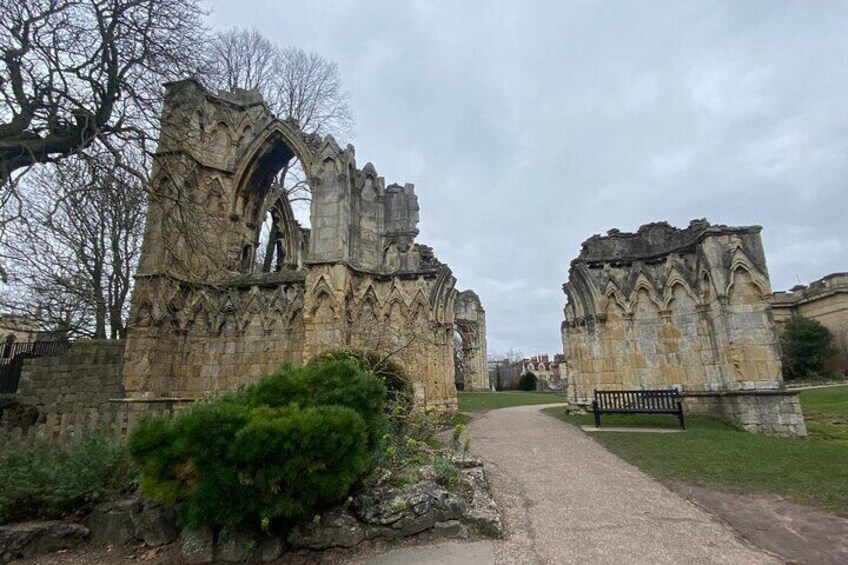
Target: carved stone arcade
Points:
(203, 319)
(682, 308)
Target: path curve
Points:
(566, 499)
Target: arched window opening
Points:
(293, 180)
(459, 361)
(275, 199)
(9, 347)
(280, 240)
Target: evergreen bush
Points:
(280, 451)
(42, 480)
(807, 345)
(527, 381)
(399, 392)
(325, 383)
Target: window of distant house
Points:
(9, 346)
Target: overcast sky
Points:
(527, 127)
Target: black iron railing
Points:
(15, 354)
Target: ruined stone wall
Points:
(667, 307)
(192, 340)
(471, 325)
(59, 397)
(771, 412)
(203, 320)
(679, 308)
(825, 300)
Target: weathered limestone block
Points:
(409, 510)
(154, 523)
(336, 528)
(197, 545)
(112, 523)
(237, 546)
(483, 512)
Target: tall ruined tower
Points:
(206, 317)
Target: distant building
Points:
(16, 333)
(825, 300)
(22, 334)
(549, 373)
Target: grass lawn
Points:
(828, 408)
(485, 401)
(810, 471)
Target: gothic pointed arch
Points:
(740, 261)
(271, 150)
(673, 280)
(643, 283)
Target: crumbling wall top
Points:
(401, 205)
(652, 240)
(829, 284)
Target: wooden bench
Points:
(637, 402)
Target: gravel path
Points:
(566, 499)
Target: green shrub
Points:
(282, 450)
(399, 392)
(42, 480)
(299, 461)
(806, 344)
(527, 381)
(325, 383)
(447, 473)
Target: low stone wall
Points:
(60, 396)
(771, 412)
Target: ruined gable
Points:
(672, 308)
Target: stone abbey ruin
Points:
(679, 308)
(207, 317)
(690, 309)
(203, 319)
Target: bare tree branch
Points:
(76, 70)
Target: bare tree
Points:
(508, 367)
(74, 255)
(243, 59)
(309, 90)
(77, 70)
(295, 84)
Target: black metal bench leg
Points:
(597, 416)
(682, 425)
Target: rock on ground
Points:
(154, 523)
(36, 538)
(112, 523)
(335, 528)
(409, 510)
(197, 545)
